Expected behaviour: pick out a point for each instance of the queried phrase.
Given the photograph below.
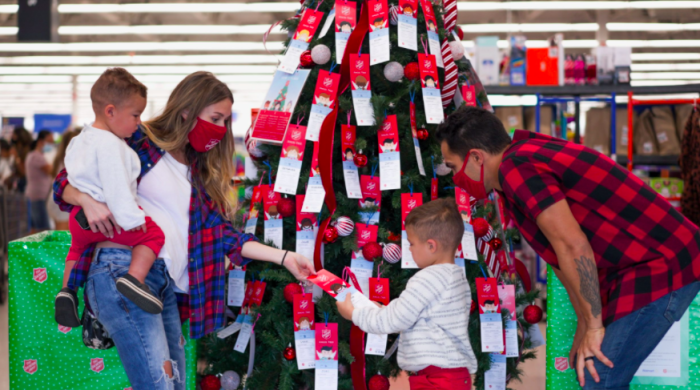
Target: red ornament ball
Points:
(360, 159)
(371, 251)
(532, 314)
(481, 227)
(210, 382)
(460, 33)
(472, 308)
(291, 290)
(411, 71)
(330, 235)
(496, 243)
(422, 134)
(290, 353)
(378, 382)
(305, 60)
(286, 207)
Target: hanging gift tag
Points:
(300, 41)
(315, 193)
(289, 167)
(376, 344)
(303, 312)
(468, 239)
(231, 329)
(305, 345)
(463, 204)
(363, 271)
(258, 292)
(371, 194)
(365, 234)
(414, 133)
(495, 377)
(244, 335)
(389, 155)
(307, 228)
(236, 287)
(248, 294)
(273, 219)
(432, 28)
(506, 293)
(490, 315)
(323, 102)
(333, 285)
(408, 203)
(432, 97)
(326, 357)
(361, 89)
(255, 200)
(469, 95)
(433, 188)
(327, 25)
(378, 31)
(379, 290)
(350, 174)
(345, 22)
(408, 24)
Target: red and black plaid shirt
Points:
(643, 247)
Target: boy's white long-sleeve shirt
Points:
(103, 166)
(432, 315)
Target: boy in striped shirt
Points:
(432, 313)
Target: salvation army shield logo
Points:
(327, 81)
(323, 278)
(412, 204)
(97, 364)
(487, 287)
(64, 329)
(303, 304)
(359, 64)
(210, 145)
(345, 10)
(296, 135)
(311, 19)
(462, 199)
(30, 366)
(365, 235)
(348, 136)
(40, 275)
(371, 185)
(386, 126)
(378, 289)
(378, 7)
(427, 64)
(561, 364)
(326, 334)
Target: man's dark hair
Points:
(473, 128)
(4, 145)
(43, 134)
(438, 220)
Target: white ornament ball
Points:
(442, 169)
(230, 380)
(249, 192)
(457, 50)
(251, 146)
(392, 253)
(321, 54)
(345, 226)
(393, 71)
(394, 11)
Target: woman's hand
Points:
(299, 266)
(99, 217)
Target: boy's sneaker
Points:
(67, 308)
(140, 294)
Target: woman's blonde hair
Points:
(212, 170)
(61, 154)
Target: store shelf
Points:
(650, 160)
(573, 90)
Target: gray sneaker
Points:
(140, 294)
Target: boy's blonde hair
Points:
(115, 86)
(438, 220)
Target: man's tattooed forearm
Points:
(590, 289)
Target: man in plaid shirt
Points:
(629, 261)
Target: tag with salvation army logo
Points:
(270, 201)
(30, 366)
(469, 95)
(326, 88)
(248, 294)
(327, 341)
(308, 25)
(97, 364)
(408, 203)
(371, 193)
(388, 135)
(40, 275)
(379, 290)
(365, 234)
(303, 312)
(333, 285)
(258, 292)
(487, 294)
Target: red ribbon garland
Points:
(325, 162)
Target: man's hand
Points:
(345, 308)
(580, 331)
(590, 347)
(299, 266)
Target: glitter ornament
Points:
(393, 71)
(210, 382)
(291, 290)
(251, 146)
(532, 314)
(321, 54)
(411, 71)
(230, 380)
(360, 159)
(394, 11)
(442, 169)
(290, 353)
(371, 251)
(305, 60)
(460, 33)
(391, 253)
(422, 134)
(481, 227)
(457, 50)
(496, 243)
(345, 226)
(378, 382)
(286, 207)
(330, 235)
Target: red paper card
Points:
(469, 95)
(378, 14)
(270, 200)
(365, 233)
(379, 290)
(271, 125)
(294, 143)
(326, 88)
(433, 188)
(254, 200)
(305, 221)
(507, 296)
(315, 170)
(430, 21)
(348, 142)
(303, 312)
(371, 194)
(327, 341)
(328, 282)
(345, 16)
(408, 203)
(308, 25)
(248, 294)
(258, 292)
(428, 71)
(487, 294)
(409, 8)
(463, 205)
(359, 72)
(388, 135)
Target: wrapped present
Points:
(44, 355)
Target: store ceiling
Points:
(160, 42)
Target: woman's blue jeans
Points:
(145, 342)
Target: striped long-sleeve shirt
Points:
(432, 315)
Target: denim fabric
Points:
(144, 341)
(38, 215)
(629, 340)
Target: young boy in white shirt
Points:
(432, 313)
(101, 164)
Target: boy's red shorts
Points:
(434, 378)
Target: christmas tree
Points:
(395, 85)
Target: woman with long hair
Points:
(60, 218)
(184, 187)
(38, 172)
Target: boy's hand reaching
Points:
(345, 308)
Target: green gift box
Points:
(44, 355)
(561, 326)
